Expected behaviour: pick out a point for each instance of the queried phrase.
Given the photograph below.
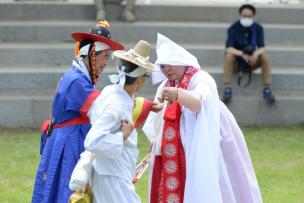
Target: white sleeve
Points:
(94, 111)
(91, 110)
(149, 126)
(203, 85)
(105, 137)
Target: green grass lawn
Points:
(277, 154)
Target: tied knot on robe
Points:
(120, 77)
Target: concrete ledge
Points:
(249, 111)
(44, 83)
(16, 113)
(60, 54)
(202, 33)
(65, 11)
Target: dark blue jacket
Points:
(239, 36)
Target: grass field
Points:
(277, 154)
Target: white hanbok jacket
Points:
(115, 159)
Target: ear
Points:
(138, 83)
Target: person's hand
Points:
(156, 107)
(253, 59)
(170, 93)
(126, 127)
(245, 57)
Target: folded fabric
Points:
(82, 172)
(141, 110)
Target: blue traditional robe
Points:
(61, 151)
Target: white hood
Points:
(168, 52)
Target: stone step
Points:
(23, 111)
(253, 111)
(50, 54)
(190, 33)
(43, 82)
(19, 111)
(200, 13)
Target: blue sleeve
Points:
(260, 40)
(77, 94)
(230, 38)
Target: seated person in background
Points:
(245, 52)
(126, 15)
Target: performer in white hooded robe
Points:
(217, 163)
(116, 151)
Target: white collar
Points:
(82, 67)
(126, 97)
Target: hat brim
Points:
(148, 66)
(79, 36)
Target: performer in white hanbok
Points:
(199, 154)
(112, 138)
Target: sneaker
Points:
(268, 96)
(227, 95)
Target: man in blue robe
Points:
(63, 136)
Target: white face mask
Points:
(246, 22)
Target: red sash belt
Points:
(75, 121)
(83, 119)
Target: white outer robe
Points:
(207, 169)
(115, 159)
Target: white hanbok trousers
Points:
(112, 189)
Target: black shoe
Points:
(227, 95)
(268, 96)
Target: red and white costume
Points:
(197, 157)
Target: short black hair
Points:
(247, 6)
(129, 68)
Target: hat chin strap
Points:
(99, 46)
(120, 78)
